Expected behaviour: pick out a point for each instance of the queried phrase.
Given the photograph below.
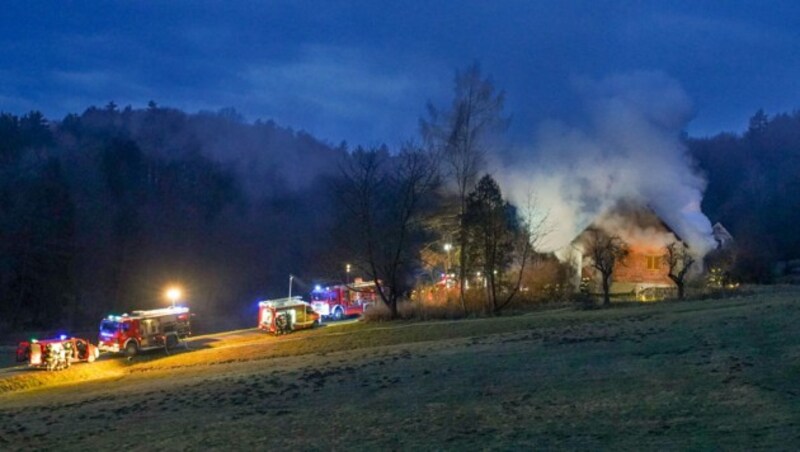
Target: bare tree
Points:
(460, 135)
(384, 197)
(605, 251)
(680, 261)
(526, 238)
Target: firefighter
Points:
(68, 354)
(60, 356)
(55, 356)
(50, 357)
(283, 323)
(280, 324)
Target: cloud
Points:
(327, 85)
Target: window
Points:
(653, 262)
(109, 326)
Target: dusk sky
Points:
(362, 71)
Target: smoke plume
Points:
(627, 148)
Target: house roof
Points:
(721, 235)
(645, 215)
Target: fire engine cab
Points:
(284, 315)
(344, 300)
(144, 330)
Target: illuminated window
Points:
(653, 262)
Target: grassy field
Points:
(705, 374)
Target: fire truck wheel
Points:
(90, 357)
(338, 314)
(131, 348)
(172, 341)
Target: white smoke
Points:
(628, 148)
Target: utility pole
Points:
(447, 248)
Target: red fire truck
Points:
(284, 315)
(344, 300)
(145, 330)
(46, 353)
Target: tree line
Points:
(754, 191)
(100, 210)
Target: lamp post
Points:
(291, 277)
(347, 270)
(447, 248)
(173, 294)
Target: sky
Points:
(362, 71)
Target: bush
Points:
(433, 309)
(409, 310)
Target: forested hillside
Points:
(99, 211)
(754, 190)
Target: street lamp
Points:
(291, 277)
(347, 269)
(447, 248)
(173, 294)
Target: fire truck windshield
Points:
(109, 326)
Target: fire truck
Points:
(145, 330)
(344, 300)
(47, 353)
(284, 315)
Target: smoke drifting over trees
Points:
(754, 190)
(629, 148)
(99, 211)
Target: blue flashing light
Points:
(63, 337)
(317, 288)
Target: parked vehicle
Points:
(145, 330)
(344, 300)
(284, 315)
(56, 354)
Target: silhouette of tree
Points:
(605, 252)
(461, 135)
(679, 261)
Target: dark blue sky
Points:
(363, 70)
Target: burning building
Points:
(622, 169)
(642, 272)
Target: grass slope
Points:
(673, 375)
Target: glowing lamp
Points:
(173, 294)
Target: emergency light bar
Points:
(282, 302)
